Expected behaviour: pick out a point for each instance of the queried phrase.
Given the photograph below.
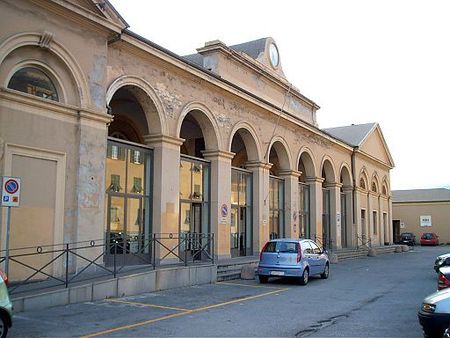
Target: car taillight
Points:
(4, 276)
(299, 253)
(264, 248)
(443, 282)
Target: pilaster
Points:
(290, 202)
(260, 171)
(220, 196)
(335, 214)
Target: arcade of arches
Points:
(147, 142)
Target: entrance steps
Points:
(228, 269)
(350, 253)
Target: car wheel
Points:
(263, 279)
(326, 272)
(305, 277)
(3, 326)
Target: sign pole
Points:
(8, 220)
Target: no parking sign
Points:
(10, 192)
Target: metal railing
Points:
(46, 266)
(324, 242)
(363, 241)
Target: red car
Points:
(429, 238)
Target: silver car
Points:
(434, 314)
(298, 258)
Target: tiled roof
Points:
(194, 58)
(421, 195)
(353, 135)
(251, 48)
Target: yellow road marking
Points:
(135, 325)
(234, 301)
(147, 305)
(250, 286)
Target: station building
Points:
(420, 211)
(115, 136)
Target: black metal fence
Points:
(48, 266)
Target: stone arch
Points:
(147, 98)
(250, 139)
(327, 169)
(385, 186)
(281, 148)
(308, 161)
(36, 39)
(345, 175)
(375, 185)
(363, 177)
(207, 122)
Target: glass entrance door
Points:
(128, 208)
(241, 206)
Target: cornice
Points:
(80, 15)
(372, 158)
(288, 172)
(314, 180)
(56, 107)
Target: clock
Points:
(273, 55)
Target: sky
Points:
(385, 61)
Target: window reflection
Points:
(33, 81)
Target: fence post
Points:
(67, 265)
(114, 259)
(186, 245)
(213, 248)
(154, 251)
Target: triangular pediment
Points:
(102, 8)
(375, 145)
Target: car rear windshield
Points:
(427, 236)
(285, 247)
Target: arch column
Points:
(335, 214)
(260, 173)
(290, 202)
(351, 227)
(315, 190)
(166, 182)
(220, 195)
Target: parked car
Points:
(429, 238)
(5, 306)
(444, 277)
(434, 314)
(407, 238)
(442, 260)
(299, 258)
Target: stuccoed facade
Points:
(139, 140)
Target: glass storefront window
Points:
(304, 210)
(241, 229)
(128, 198)
(276, 207)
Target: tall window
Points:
(304, 211)
(375, 222)
(276, 207)
(34, 81)
(194, 195)
(241, 213)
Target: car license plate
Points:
(277, 273)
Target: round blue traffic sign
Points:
(11, 186)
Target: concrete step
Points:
(231, 269)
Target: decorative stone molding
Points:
(314, 180)
(210, 154)
(288, 172)
(45, 40)
(333, 185)
(257, 164)
(160, 138)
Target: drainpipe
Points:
(354, 183)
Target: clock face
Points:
(273, 53)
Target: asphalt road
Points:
(365, 297)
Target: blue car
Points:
(298, 258)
